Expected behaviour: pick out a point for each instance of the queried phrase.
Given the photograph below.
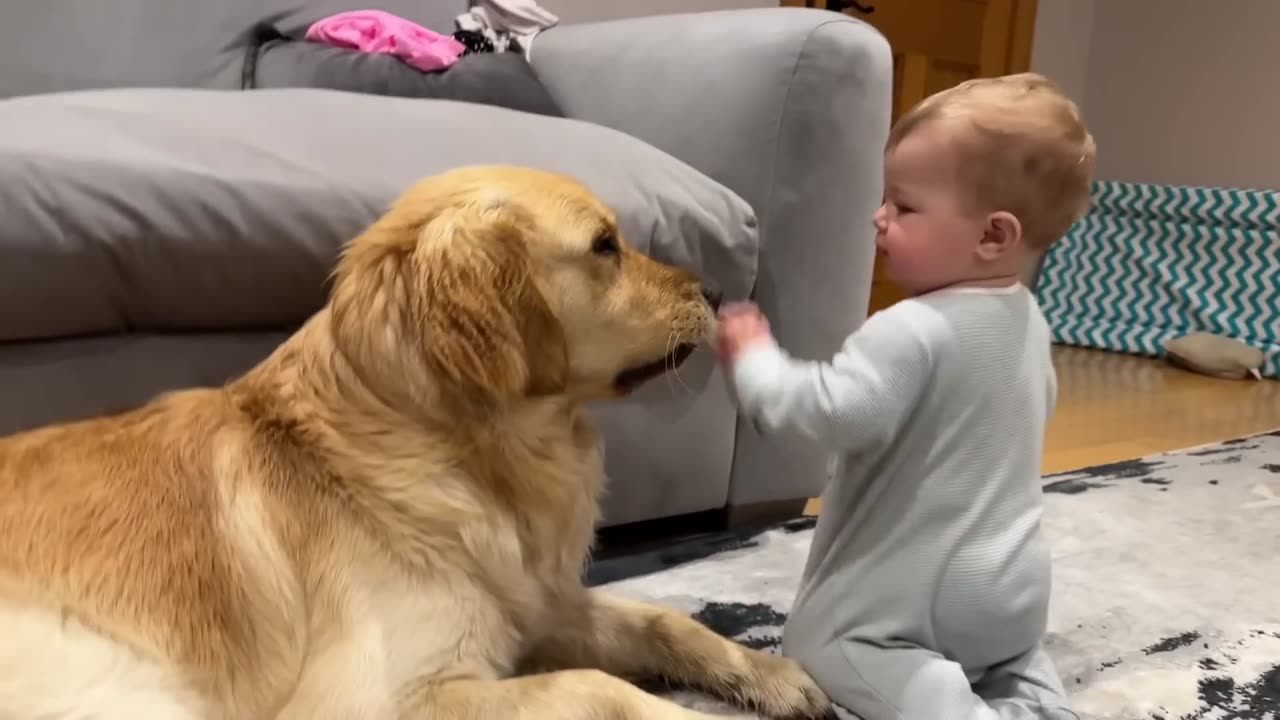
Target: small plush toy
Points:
(1214, 355)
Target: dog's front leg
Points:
(561, 695)
(639, 640)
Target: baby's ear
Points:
(1001, 234)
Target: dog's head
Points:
(485, 285)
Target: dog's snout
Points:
(712, 295)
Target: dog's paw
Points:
(779, 689)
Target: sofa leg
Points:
(763, 513)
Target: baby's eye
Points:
(904, 209)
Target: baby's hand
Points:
(741, 326)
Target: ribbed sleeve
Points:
(861, 395)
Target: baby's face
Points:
(927, 233)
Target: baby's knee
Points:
(873, 682)
(1028, 710)
(844, 679)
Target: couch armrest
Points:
(788, 107)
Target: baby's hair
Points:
(1023, 148)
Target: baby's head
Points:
(980, 179)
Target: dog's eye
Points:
(605, 244)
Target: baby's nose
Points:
(880, 219)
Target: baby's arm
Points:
(862, 394)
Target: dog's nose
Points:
(712, 295)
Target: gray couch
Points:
(168, 215)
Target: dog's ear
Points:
(449, 305)
(487, 326)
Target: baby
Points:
(926, 591)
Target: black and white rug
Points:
(1166, 597)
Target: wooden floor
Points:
(1115, 407)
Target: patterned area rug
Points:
(1167, 584)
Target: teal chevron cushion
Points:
(1154, 262)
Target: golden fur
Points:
(386, 518)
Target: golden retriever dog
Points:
(388, 518)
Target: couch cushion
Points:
(61, 45)
(505, 79)
(185, 210)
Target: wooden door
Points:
(937, 44)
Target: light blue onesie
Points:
(926, 591)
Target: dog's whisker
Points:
(668, 361)
(675, 370)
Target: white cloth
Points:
(928, 576)
(504, 21)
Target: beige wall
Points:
(1175, 91)
(1060, 48)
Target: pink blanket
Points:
(375, 31)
